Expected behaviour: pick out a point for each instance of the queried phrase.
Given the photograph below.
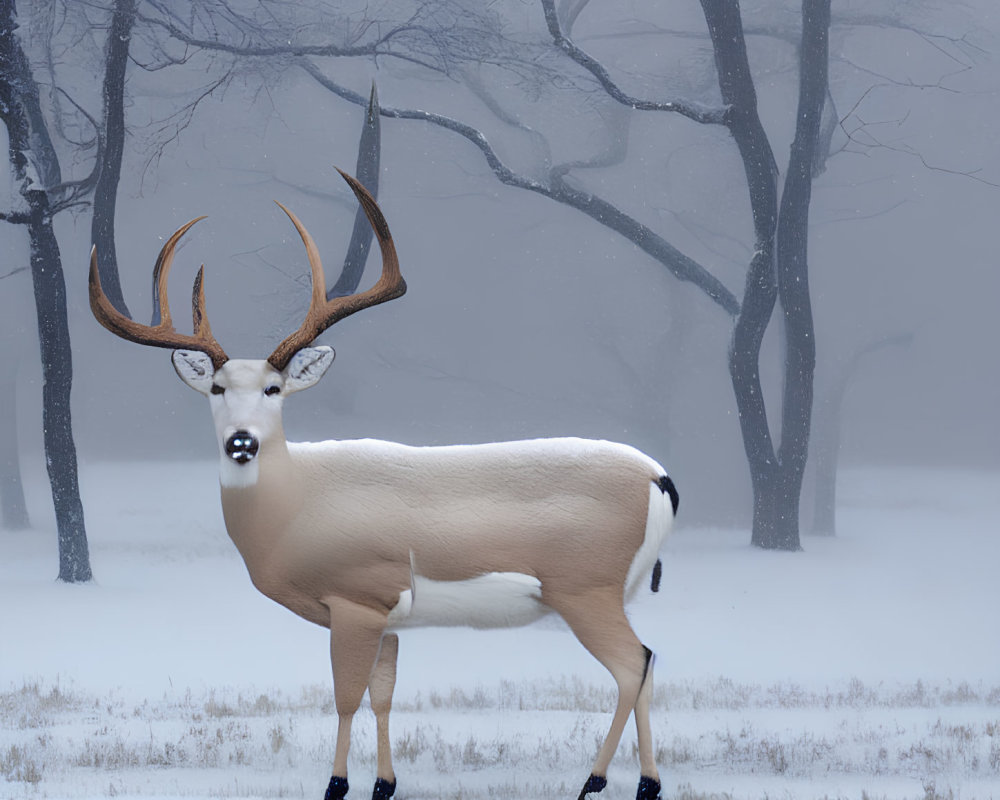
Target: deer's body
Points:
(366, 537)
(444, 514)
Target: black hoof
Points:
(337, 789)
(383, 789)
(649, 789)
(595, 783)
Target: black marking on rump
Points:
(654, 581)
(667, 487)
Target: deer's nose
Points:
(242, 447)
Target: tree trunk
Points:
(792, 258)
(57, 380)
(367, 173)
(775, 509)
(826, 433)
(778, 272)
(102, 226)
(14, 509)
(774, 527)
(18, 96)
(825, 453)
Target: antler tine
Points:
(161, 271)
(315, 262)
(202, 330)
(161, 334)
(322, 312)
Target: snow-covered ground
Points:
(866, 666)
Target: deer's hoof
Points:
(594, 784)
(337, 789)
(649, 789)
(383, 789)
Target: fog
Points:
(523, 317)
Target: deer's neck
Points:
(259, 508)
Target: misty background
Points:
(523, 317)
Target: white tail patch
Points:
(492, 600)
(659, 522)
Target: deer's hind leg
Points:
(598, 620)
(649, 780)
(380, 688)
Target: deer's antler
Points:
(163, 333)
(322, 312)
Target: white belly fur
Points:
(493, 600)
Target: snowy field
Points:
(867, 666)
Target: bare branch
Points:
(260, 50)
(864, 138)
(681, 266)
(706, 115)
(78, 188)
(178, 120)
(433, 46)
(477, 85)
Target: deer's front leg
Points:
(355, 633)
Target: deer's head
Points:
(246, 395)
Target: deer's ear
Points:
(195, 369)
(307, 366)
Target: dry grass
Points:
(52, 738)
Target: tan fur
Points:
(343, 518)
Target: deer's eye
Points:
(272, 390)
(216, 389)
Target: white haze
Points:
(524, 318)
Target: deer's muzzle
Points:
(242, 447)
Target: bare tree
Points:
(778, 272)
(36, 166)
(827, 430)
(13, 508)
(33, 159)
(110, 164)
(367, 173)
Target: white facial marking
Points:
(246, 398)
(242, 403)
(237, 476)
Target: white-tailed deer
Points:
(367, 537)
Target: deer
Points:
(368, 537)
